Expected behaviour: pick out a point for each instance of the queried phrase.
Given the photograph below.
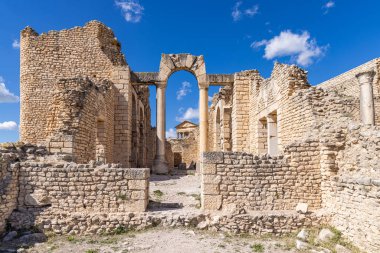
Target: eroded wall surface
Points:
(351, 182)
(252, 182)
(91, 51)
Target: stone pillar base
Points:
(160, 166)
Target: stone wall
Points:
(91, 51)
(347, 84)
(8, 188)
(220, 120)
(351, 182)
(81, 118)
(188, 147)
(35, 184)
(11, 154)
(82, 188)
(277, 100)
(240, 110)
(257, 223)
(252, 182)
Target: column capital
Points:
(203, 86)
(365, 77)
(161, 84)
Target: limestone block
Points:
(38, 198)
(138, 184)
(212, 157)
(211, 189)
(139, 195)
(211, 202)
(211, 179)
(208, 169)
(142, 173)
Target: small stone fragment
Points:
(302, 207)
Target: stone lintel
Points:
(145, 78)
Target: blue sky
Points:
(326, 37)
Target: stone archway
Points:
(169, 64)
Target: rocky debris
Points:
(202, 225)
(302, 245)
(10, 236)
(303, 235)
(325, 235)
(341, 249)
(32, 238)
(302, 208)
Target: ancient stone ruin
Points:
(274, 154)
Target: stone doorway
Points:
(177, 159)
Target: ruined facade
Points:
(185, 147)
(264, 145)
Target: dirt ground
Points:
(178, 191)
(162, 240)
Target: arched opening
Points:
(181, 110)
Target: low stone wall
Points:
(274, 222)
(240, 180)
(82, 188)
(8, 190)
(351, 182)
(356, 211)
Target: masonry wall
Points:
(82, 188)
(188, 147)
(77, 109)
(347, 84)
(123, 115)
(90, 51)
(8, 190)
(280, 94)
(352, 184)
(241, 180)
(240, 110)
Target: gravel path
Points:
(178, 191)
(161, 240)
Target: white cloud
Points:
(237, 12)
(184, 90)
(328, 6)
(171, 133)
(8, 125)
(5, 95)
(131, 9)
(16, 44)
(189, 114)
(252, 11)
(300, 47)
(209, 99)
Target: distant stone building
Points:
(185, 146)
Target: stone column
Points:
(367, 108)
(160, 165)
(203, 118)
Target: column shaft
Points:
(203, 120)
(367, 108)
(160, 166)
